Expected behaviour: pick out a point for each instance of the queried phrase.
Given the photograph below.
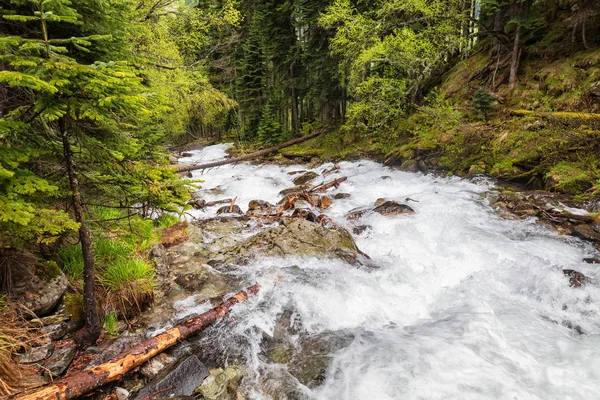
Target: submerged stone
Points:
(305, 178)
(221, 384)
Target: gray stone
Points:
(37, 354)
(296, 237)
(340, 196)
(295, 189)
(391, 207)
(60, 361)
(592, 260)
(44, 293)
(230, 210)
(219, 384)
(305, 178)
(121, 393)
(155, 365)
(179, 379)
(56, 331)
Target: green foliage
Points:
(111, 324)
(483, 103)
(71, 261)
(269, 129)
(121, 272)
(166, 220)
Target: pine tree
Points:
(84, 114)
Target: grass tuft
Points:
(71, 260)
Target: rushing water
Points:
(463, 304)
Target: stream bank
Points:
(409, 280)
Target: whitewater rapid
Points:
(463, 304)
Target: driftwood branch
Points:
(323, 187)
(112, 370)
(184, 168)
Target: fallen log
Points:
(86, 381)
(566, 115)
(184, 168)
(324, 186)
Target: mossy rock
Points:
(296, 237)
(569, 177)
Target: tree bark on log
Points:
(112, 370)
(185, 168)
(325, 186)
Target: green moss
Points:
(568, 177)
(74, 305)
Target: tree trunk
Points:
(514, 62)
(112, 370)
(91, 330)
(295, 120)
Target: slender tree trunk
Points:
(91, 330)
(295, 120)
(514, 62)
(583, 37)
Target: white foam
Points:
(464, 304)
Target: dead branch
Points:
(112, 370)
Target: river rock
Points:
(38, 288)
(235, 209)
(175, 234)
(357, 230)
(60, 361)
(305, 178)
(259, 205)
(56, 331)
(357, 213)
(178, 379)
(295, 189)
(36, 354)
(121, 393)
(296, 237)
(576, 278)
(151, 368)
(391, 207)
(340, 196)
(584, 231)
(221, 384)
(592, 260)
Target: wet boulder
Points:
(259, 205)
(221, 384)
(298, 237)
(357, 213)
(295, 189)
(36, 286)
(235, 209)
(576, 278)
(36, 354)
(60, 361)
(305, 178)
(179, 379)
(391, 207)
(340, 196)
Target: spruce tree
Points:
(82, 114)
